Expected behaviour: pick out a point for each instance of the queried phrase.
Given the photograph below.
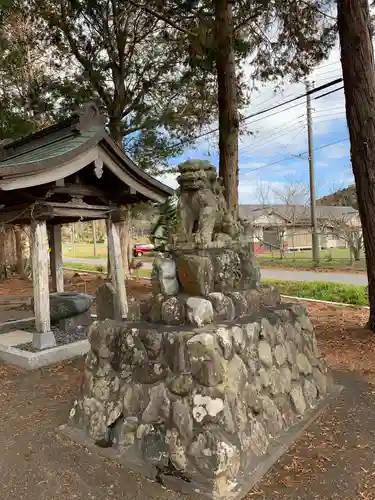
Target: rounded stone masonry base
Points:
(201, 408)
(197, 311)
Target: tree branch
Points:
(162, 18)
(250, 18)
(80, 58)
(319, 11)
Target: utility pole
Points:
(314, 225)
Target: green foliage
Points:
(26, 79)
(281, 38)
(134, 67)
(155, 83)
(98, 268)
(166, 224)
(332, 292)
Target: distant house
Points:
(289, 226)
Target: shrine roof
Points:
(67, 147)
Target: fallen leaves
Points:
(343, 338)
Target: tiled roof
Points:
(62, 143)
(50, 150)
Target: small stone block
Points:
(43, 340)
(106, 307)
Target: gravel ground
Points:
(62, 338)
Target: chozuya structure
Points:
(68, 172)
(203, 393)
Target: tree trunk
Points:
(22, 251)
(115, 131)
(227, 101)
(3, 267)
(357, 59)
(125, 226)
(356, 253)
(125, 239)
(94, 236)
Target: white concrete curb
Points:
(34, 360)
(325, 302)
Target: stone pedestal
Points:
(204, 394)
(201, 409)
(219, 267)
(44, 340)
(200, 285)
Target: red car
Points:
(142, 249)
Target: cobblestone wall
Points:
(200, 405)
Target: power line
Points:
(312, 91)
(276, 112)
(293, 157)
(245, 118)
(327, 78)
(327, 93)
(329, 64)
(335, 108)
(295, 136)
(283, 130)
(334, 114)
(271, 136)
(316, 75)
(340, 119)
(331, 144)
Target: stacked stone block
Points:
(198, 408)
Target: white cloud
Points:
(169, 179)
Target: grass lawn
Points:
(87, 267)
(336, 258)
(332, 292)
(139, 273)
(86, 251)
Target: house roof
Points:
(301, 213)
(37, 158)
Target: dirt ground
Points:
(334, 459)
(79, 282)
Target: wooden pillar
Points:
(56, 259)
(43, 337)
(117, 270)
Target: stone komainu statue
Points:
(202, 210)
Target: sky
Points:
(274, 155)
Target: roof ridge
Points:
(81, 120)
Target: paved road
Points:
(347, 278)
(279, 274)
